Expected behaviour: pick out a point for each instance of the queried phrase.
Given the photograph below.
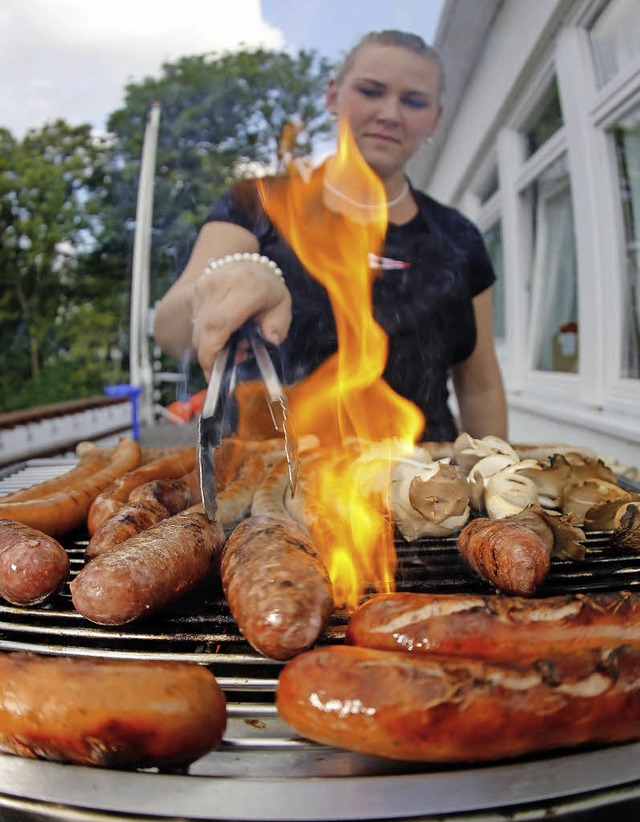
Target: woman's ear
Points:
(331, 97)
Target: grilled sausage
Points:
(235, 498)
(66, 510)
(91, 458)
(173, 494)
(277, 586)
(433, 709)
(149, 570)
(512, 557)
(33, 565)
(108, 712)
(496, 627)
(116, 494)
(148, 504)
(125, 523)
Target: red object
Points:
(196, 401)
(179, 412)
(569, 328)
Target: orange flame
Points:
(333, 224)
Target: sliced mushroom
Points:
(551, 478)
(627, 535)
(508, 492)
(467, 451)
(499, 446)
(544, 451)
(430, 502)
(584, 468)
(582, 496)
(480, 473)
(607, 515)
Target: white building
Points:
(540, 145)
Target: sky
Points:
(72, 59)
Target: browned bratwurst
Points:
(149, 570)
(116, 494)
(66, 509)
(91, 458)
(107, 712)
(277, 587)
(147, 505)
(125, 523)
(33, 565)
(436, 709)
(496, 627)
(512, 557)
(173, 494)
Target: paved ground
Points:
(163, 434)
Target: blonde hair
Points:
(392, 37)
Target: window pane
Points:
(493, 241)
(615, 39)
(546, 120)
(555, 285)
(491, 185)
(627, 137)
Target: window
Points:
(493, 241)
(615, 39)
(627, 141)
(491, 186)
(546, 120)
(555, 333)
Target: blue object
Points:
(133, 392)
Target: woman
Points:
(433, 299)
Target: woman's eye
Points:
(367, 91)
(415, 102)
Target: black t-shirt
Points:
(432, 267)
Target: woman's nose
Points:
(389, 109)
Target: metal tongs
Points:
(221, 387)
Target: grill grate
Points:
(257, 745)
(201, 627)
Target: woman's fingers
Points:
(226, 299)
(274, 323)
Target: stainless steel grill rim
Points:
(263, 771)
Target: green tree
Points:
(68, 203)
(221, 118)
(51, 184)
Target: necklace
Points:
(351, 201)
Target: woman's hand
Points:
(200, 311)
(230, 295)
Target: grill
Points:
(263, 771)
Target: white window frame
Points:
(485, 215)
(588, 114)
(596, 399)
(538, 326)
(522, 172)
(610, 108)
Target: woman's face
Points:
(390, 95)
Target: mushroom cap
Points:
(508, 492)
(431, 502)
(582, 496)
(467, 451)
(551, 478)
(480, 473)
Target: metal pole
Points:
(140, 368)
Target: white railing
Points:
(55, 429)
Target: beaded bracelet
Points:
(253, 257)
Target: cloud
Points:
(73, 58)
